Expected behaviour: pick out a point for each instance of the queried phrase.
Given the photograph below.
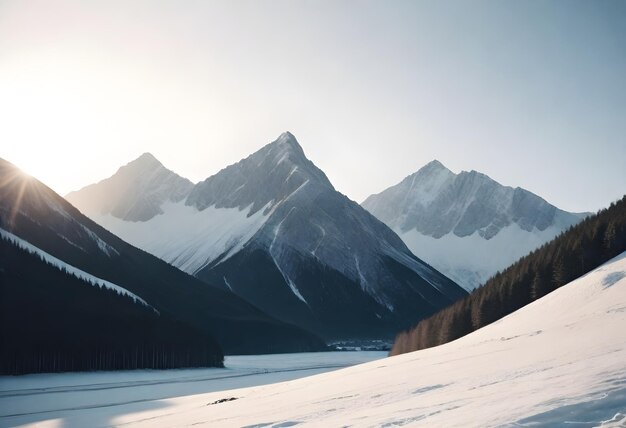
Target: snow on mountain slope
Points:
(186, 237)
(272, 229)
(561, 359)
(471, 260)
(61, 265)
(467, 225)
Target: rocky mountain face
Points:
(467, 225)
(273, 230)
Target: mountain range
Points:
(467, 225)
(273, 230)
(48, 234)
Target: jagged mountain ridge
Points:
(281, 167)
(34, 213)
(272, 229)
(467, 225)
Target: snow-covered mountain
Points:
(467, 225)
(272, 229)
(34, 219)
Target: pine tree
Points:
(558, 274)
(610, 238)
(476, 314)
(538, 286)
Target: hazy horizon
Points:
(531, 94)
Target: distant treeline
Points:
(573, 253)
(52, 321)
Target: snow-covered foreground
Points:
(98, 398)
(562, 358)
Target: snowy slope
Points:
(467, 225)
(187, 237)
(61, 265)
(272, 229)
(560, 359)
(471, 260)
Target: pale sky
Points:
(531, 93)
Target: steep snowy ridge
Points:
(271, 175)
(272, 229)
(26, 198)
(467, 225)
(61, 265)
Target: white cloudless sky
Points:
(530, 93)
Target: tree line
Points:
(573, 253)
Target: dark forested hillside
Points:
(52, 321)
(573, 253)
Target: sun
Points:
(13, 185)
(45, 118)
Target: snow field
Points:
(560, 357)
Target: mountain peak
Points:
(147, 156)
(434, 165)
(287, 137)
(287, 142)
(146, 160)
(267, 176)
(135, 192)
(285, 157)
